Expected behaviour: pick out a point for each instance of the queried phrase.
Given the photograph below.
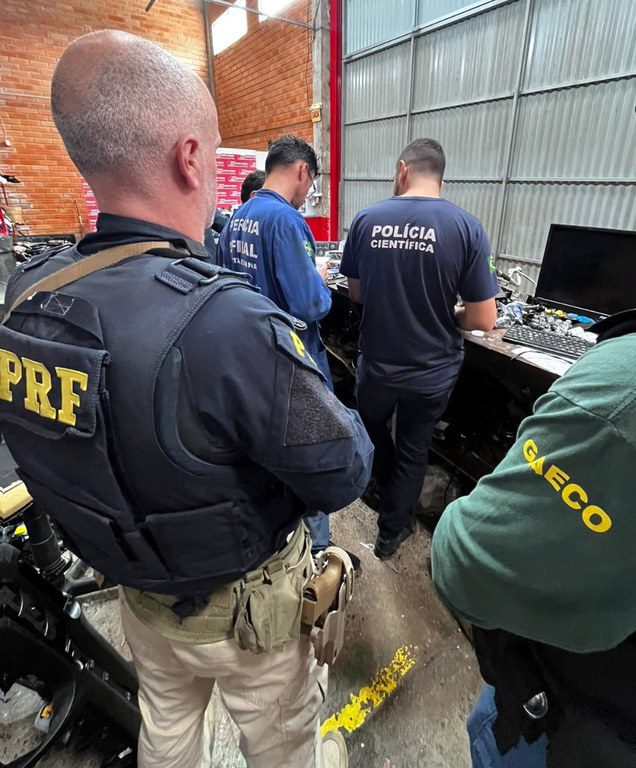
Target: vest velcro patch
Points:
(48, 387)
(314, 415)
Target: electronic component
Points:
(326, 247)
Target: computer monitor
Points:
(588, 271)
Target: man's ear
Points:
(187, 161)
(402, 171)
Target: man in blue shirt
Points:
(407, 259)
(268, 239)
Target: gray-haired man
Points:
(171, 449)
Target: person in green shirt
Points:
(541, 559)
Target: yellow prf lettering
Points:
(300, 347)
(38, 385)
(68, 377)
(10, 373)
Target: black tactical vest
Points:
(91, 409)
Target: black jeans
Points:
(399, 467)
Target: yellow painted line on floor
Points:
(372, 696)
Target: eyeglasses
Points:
(313, 189)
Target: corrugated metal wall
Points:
(533, 101)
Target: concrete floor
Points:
(421, 724)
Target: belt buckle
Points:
(274, 571)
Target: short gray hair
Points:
(126, 112)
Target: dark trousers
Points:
(399, 467)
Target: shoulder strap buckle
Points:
(209, 273)
(184, 275)
(208, 280)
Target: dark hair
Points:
(425, 156)
(287, 150)
(251, 183)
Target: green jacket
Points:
(545, 547)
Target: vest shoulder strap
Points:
(86, 266)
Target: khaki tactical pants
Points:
(275, 698)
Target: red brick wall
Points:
(33, 35)
(264, 81)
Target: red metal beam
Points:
(335, 95)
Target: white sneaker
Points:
(334, 750)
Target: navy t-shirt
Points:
(413, 257)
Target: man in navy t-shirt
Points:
(268, 239)
(407, 260)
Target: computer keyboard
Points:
(554, 343)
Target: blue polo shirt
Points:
(268, 239)
(413, 257)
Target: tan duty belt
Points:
(214, 621)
